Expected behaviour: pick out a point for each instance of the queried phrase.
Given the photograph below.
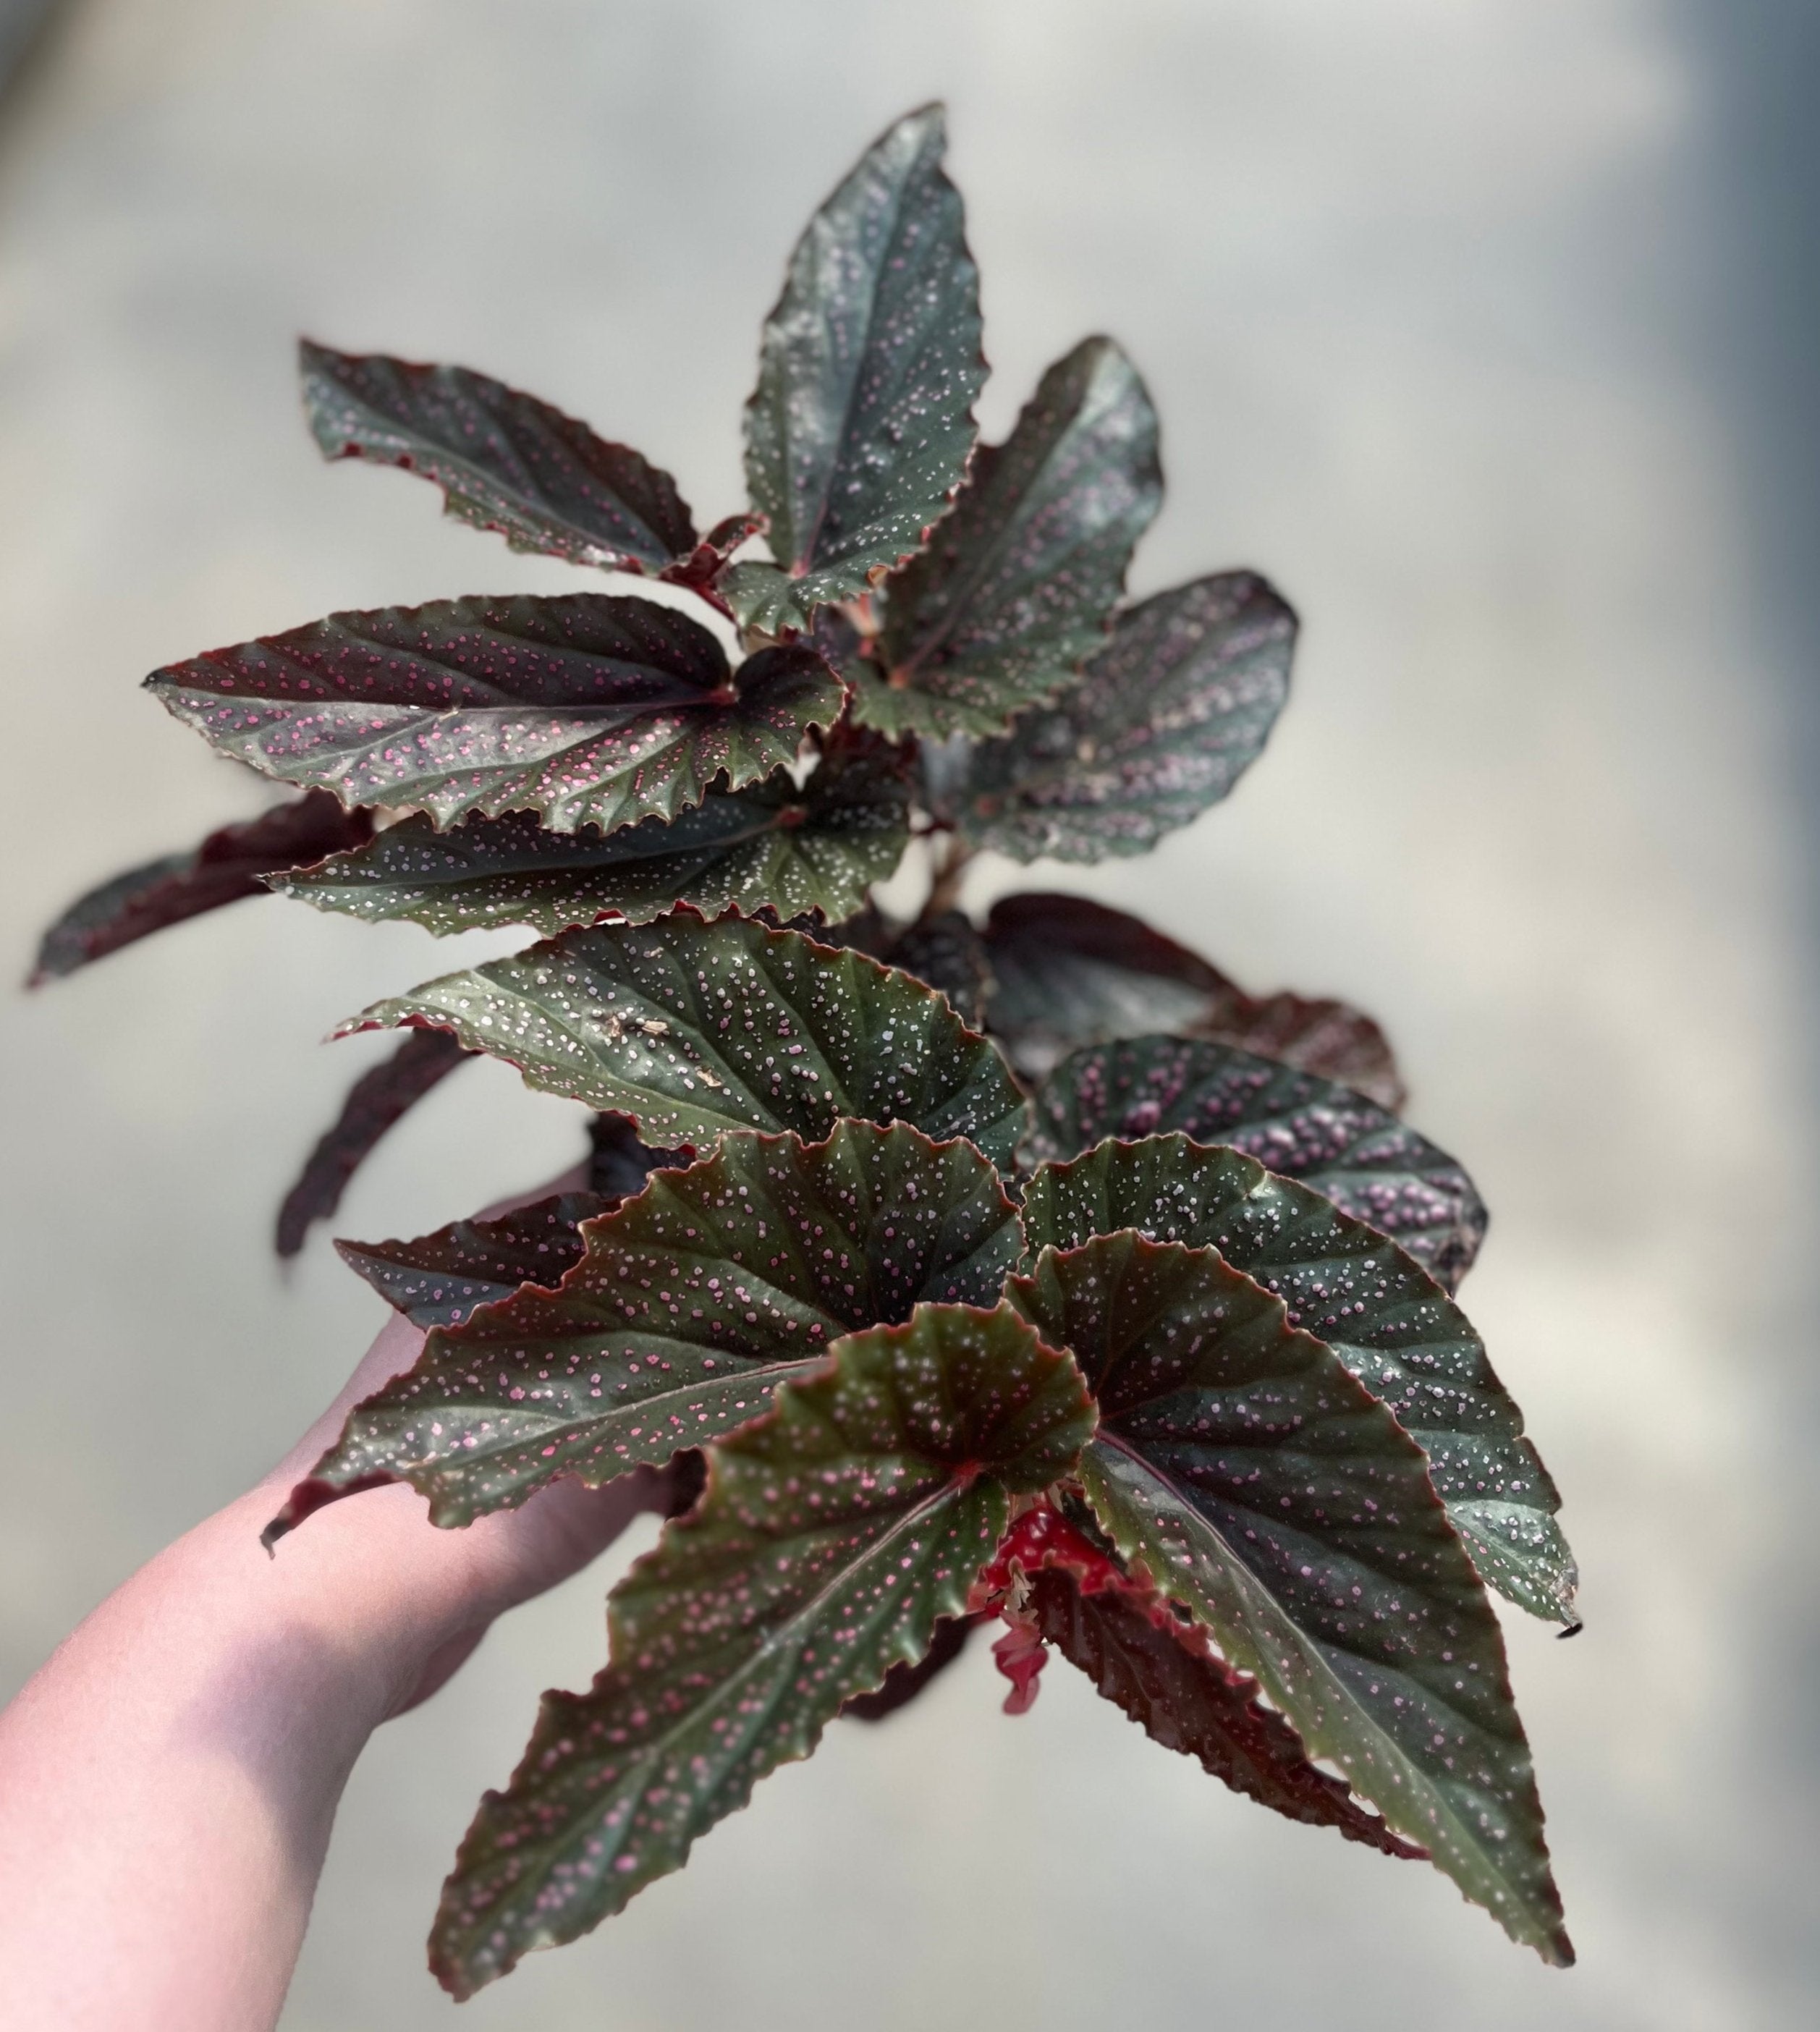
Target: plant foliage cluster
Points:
(1027, 1271)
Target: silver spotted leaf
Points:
(693, 1027)
(676, 1317)
(1261, 1486)
(812, 850)
(832, 1538)
(1017, 586)
(1358, 1155)
(1385, 1318)
(439, 1280)
(1167, 718)
(860, 428)
(504, 460)
(1067, 972)
(231, 863)
(586, 709)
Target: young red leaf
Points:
(1168, 717)
(585, 709)
(679, 1315)
(1142, 1656)
(695, 1028)
(1067, 972)
(376, 1101)
(1383, 1314)
(1369, 1164)
(1016, 588)
(833, 1536)
(858, 432)
(503, 460)
(1262, 1487)
(227, 866)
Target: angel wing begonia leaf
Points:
(1260, 1484)
(439, 1279)
(227, 866)
(816, 849)
(681, 1310)
(694, 1027)
(1016, 587)
(1142, 1655)
(832, 1537)
(585, 709)
(859, 430)
(1369, 1164)
(504, 460)
(946, 951)
(375, 1101)
(1067, 972)
(1167, 718)
(1385, 1318)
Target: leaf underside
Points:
(1386, 1319)
(504, 460)
(693, 1028)
(859, 430)
(1067, 972)
(1014, 591)
(227, 866)
(376, 1101)
(1260, 1485)
(1167, 718)
(586, 709)
(832, 1537)
(1142, 1656)
(1352, 1152)
(817, 849)
(680, 1312)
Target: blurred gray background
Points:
(1486, 327)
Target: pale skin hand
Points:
(168, 1780)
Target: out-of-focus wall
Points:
(1447, 310)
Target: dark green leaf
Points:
(1141, 1655)
(684, 1307)
(693, 1028)
(439, 1279)
(587, 709)
(618, 1164)
(818, 849)
(904, 1683)
(1015, 589)
(1382, 1314)
(1168, 716)
(375, 1101)
(1262, 1487)
(859, 430)
(226, 866)
(832, 1537)
(1362, 1159)
(945, 951)
(504, 460)
(1067, 972)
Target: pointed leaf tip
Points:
(833, 1537)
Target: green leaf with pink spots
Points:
(816, 849)
(676, 1315)
(1358, 1154)
(832, 1536)
(1262, 1487)
(585, 709)
(504, 460)
(1016, 588)
(859, 430)
(693, 1028)
(1386, 1319)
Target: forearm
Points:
(168, 1780)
